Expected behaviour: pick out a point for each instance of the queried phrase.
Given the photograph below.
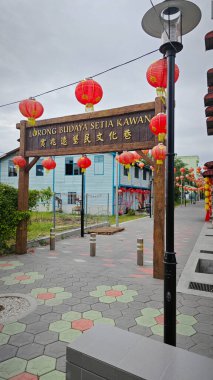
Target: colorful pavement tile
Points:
(22, 278)
(73, 324)
(110, 294)
(154, 319)
(12, 367)
(41, 365)
(7, 265)
(50, 296)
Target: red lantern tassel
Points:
(31, 121)
(207, 219)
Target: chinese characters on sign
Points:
(109, 133)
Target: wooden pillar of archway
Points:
(23, 193)
(159, 212)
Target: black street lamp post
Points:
(82, 204)
(170, 20)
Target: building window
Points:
(71, 168)
(99, 165)
(125, 172)
(71, 198)
(76, 169)
(39, 168)
(144, 174)
(68, 166)
(136, 172)
(12, 171)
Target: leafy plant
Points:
(9, 214)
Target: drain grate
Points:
(201, 287)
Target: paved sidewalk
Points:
(75, 291)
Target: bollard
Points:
(139, 251)
(52, 239)
(92, 244)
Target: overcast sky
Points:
(49, 43)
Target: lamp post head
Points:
(170, 20)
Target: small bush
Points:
(131, 212)
(9, 214)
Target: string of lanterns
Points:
(208, 198)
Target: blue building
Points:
(100, 182)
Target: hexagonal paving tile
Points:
(25, 376)
(45, 296)
(105, 321)
(92, 314)
(7, 352)
(21, 339)
(59, 326)
(54, 375)
(110, 294)
(82, 324)
(69, 335)
(12, 367)
(186, 319)
(13, 328)
(55, 350)
(5, 265)
(154, 319)
(4, 338)
(50, 296)
(22, 278)
(113, 293)
(41, 365)
(30, 351)
(71, 316)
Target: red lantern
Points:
(88, 92)
(182, 177)
(157, 75)
(146, 151)
(177, 178)
(126, 159)
(182, 170)
(159, 153)
(31, 109)
(158, 126)
(84, 162)
(191, 170)
(137, 156)
(49, 164)
(19, 162)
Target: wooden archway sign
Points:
(124, 128)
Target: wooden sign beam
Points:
(124, 128)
